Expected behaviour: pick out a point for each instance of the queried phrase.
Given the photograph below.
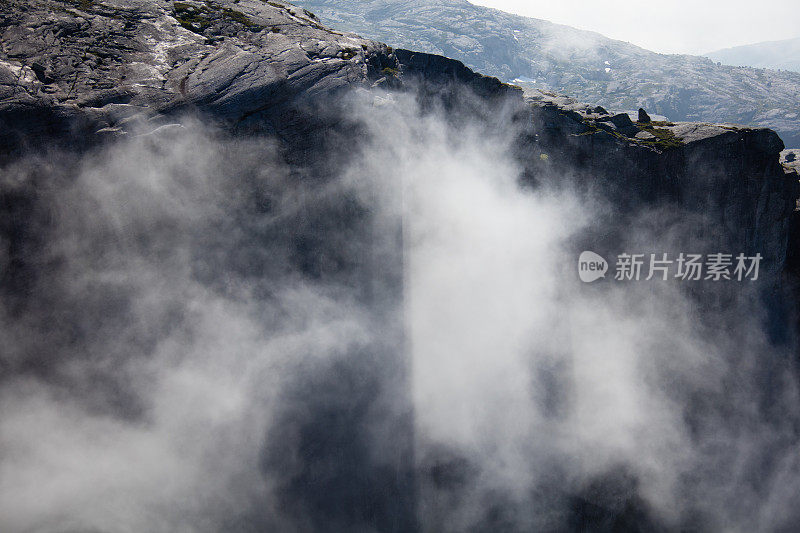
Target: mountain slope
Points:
(784, 55)
(582, 64)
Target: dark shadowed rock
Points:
(622, 123)
(730, 173)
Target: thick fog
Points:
(198, 337)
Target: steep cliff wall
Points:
(75, 73)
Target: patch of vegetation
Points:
(591, 131)
(664, 138)
(349, 53)
(391, 72)
(199, 18)
(311, 16)
(241, 18)
(193, 18)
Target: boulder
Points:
(622, 123)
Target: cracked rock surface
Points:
(90, 66)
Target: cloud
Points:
(161, 327)
(534, 392)
(200, 338)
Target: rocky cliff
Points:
(80, 76)
(78, 72)
(716, 169)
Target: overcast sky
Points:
(676, 26)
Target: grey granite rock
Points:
(64, 60)
(791, 158)
(83, 72)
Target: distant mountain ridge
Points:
(783, 55)
(581, 64)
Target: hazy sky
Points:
(678, 26)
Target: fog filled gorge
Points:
(201, 336)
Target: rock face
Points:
(791, 158)
(78, 74)
(83, 71)
(78, 68)
(722, 170)
(585, 65)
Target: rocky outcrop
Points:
(79, 73)
(81, 69)
(729, 173)
(791, 158)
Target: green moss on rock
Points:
(193, 18)
(665, 139)
(198, 18)
(241, 18)
(349, 53)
